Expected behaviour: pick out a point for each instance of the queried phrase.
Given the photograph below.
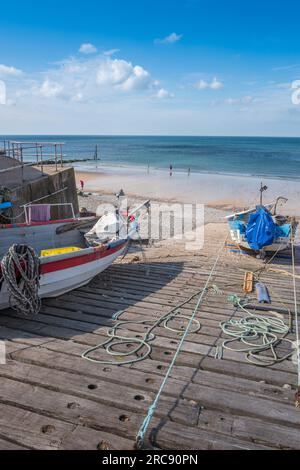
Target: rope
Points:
(143, 429)
(20, 271)
(284, 272)
(296, 311)
(116, 338)
(254, 334)
(13, 218)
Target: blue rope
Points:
(143, 429)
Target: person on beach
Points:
(171, 169)
(189, 171)
(81, 184)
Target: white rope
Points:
(255, 334)
(296, 311)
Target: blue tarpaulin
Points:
(5, 205)
(261, 229)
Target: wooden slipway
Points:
(51, 398)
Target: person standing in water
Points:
(171, 169)
(189, 171)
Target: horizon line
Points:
(153, 135)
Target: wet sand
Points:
(226, 192)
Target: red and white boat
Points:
(69, 257)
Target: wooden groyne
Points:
(52, 398)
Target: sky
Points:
(180, 67)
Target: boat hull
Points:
(63, 275)
(279, 244)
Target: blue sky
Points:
(149, 67)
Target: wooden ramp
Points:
(52, 398)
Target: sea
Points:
(252, 156)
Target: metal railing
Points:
(36, 150)
(27, 206)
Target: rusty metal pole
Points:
(41, 154)
(21, 157)
(37, 153)
(61, 156)
(55, 151)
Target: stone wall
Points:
(46, 186)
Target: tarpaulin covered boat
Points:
(259, 229)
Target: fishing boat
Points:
(70, 251)
(260, 229)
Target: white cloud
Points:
(284, 86)
(111, 52)
(6, 70)
(77, 97)
(247, 99)
(173, 37)
(74, 67)
(231, 101)
(163, 94)
(87, 48)
(2, 93)
(139, 79)
(244, 100)
(50, 89)
(113, 72)
(215, 84)
(286, 68)
(201, 85)
(89, 80)
(123, 74)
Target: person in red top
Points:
(81, 184)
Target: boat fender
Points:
(262, 293)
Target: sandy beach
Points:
(220, 192)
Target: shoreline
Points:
(111, 167)
(216, 191)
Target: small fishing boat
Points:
(260, 229)
(70, 251)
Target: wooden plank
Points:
(27, 429)
(207, 396)
(10, 445)
(167, 437)
(133, 399)
(94, 415)
(68, 357)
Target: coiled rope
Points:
(116, 336)
(254, 334)
(20, 271)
